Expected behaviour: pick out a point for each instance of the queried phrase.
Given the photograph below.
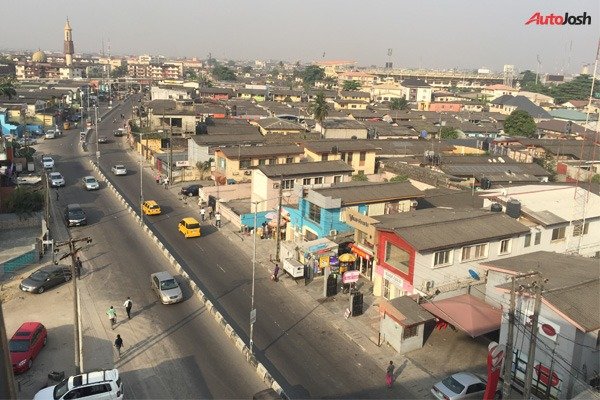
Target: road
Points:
(176, 351)
(307, 356)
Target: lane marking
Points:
(220, 268)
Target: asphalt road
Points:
(307, 356)
(176, 351)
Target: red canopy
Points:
(467, 313)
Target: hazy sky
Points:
(428, 34)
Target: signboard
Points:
(350, 276)
(323, 261)
(394, 279)
(253, 316)
(185, 163)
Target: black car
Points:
(45, 278)
(191, 190)
(74, 215)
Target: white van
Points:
(83, 135)
(99, 385)
(50, 134)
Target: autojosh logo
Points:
(556, 19)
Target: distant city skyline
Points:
(440, 34)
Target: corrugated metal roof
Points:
(254, 151)
(307, 168)
(371, 192)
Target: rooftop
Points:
(327, 146)
(342, 123)
(306, 168)
(353, 193)
(258, 151)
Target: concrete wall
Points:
(227, 192)
(13, 221)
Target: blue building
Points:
(321, 212)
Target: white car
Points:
(95, 385)
(90, 183)
(50, 134)
(119, 169)
(56, 179)
(462, 385)
(166, 287)
(47, 162)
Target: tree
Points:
(319, 109)
(351, 85)
(448, 133)
(274, 72)
(399, 178)
(204, 81)
(7, 88)
(398, 103)
(247, 69)
(25, 201)
(520, 123)
(223, 73)
(360, 177)
(596, 178)
(311, 74)
(190, 74)
(118, 72)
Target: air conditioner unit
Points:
(276, 186)
(333, 232)
(247, 172)
(429, 285)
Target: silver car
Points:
(56, 179)
(47, 162)
(90, 183)
(166, 287)
(462, 385)
(119, 169)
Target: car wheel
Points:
(40, 290)
(190, 194)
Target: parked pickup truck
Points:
(28, 179)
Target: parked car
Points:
(47, 162)
(56, 179)
(90, 183)
(191, 190)
(102, 139)
(190, 227)
(50, 134)
(151, 207)
(29, 141)
(74, 215)
(462, 385)
(119, 169)
(119, 132)
(26, 344)
(103, 385)
(166, 287)
(45, 278)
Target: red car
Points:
(26, 344)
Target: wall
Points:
(13, 221)
(331, 133)
(227, 192)
(382, 238)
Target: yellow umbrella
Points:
(347, 257)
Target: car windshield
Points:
(193, 226)
(46, 159)
(154, 206)
(77, 214)
(55, 176)
(18, 346)
(61, 389)
(90, 180)
(453, 384)
(168, 284)
(39, 276)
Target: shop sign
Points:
(350, 276)
(323, 262)
(394, 279)
(185, 163)
(316, 247)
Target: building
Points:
(507, 103)
(492, 92)
(278, 126)
(569, 319)
(359, 154)
(342, 128)
(417, 91)
(286, 95)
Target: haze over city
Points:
(441, 34)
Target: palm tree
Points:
(7, 88)
(319, 109)
(398, 103)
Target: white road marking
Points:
(220, 268)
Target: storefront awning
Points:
(467, 313)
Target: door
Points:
(155, 285)
(36, 342)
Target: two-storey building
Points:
(359, 154)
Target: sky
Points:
(435, 34)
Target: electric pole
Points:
(508, 357)
(537, 288)
(8, 389)
(75, 275)
(171, 154)
(278, 238)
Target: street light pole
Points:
(97, 143)
(252, 310)
(141, 180)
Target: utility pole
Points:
(538, 288)
(252, 310)
(74, 271)
(508, 356)
(8, 389)
(141, 182)
(171, 154)
(278, 229)
(97, 143)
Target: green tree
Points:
(351, 85)
(448, 133)
(204, 81)
(398, 103)
(223, 73)
(520, 123)
(25, 201)
(118, 72)
(319, 109)
(312, 74)
(7, 88)
(596, 178)
(528, 77)
(360, 177)
(399, 178)
(274, 72)
(247, 69)
(190, 74)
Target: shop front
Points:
(364, 240)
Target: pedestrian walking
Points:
(56, 194)
(166, 183)
(274, 277)
(202, 213)
(112, 315)
(78, 265)
(119, 345)
(264, 231)
(389, 375)
(128, 304)
(218, 219)
(157, 178)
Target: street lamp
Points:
(97, 143)
(141, 181)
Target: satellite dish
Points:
(423, 133)
(474, 274)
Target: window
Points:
(537, 239)
(337, 179)
(325, 157)
(396, 257)
(319, 180)
(363, 157)
(245, 163)
(306, 181)
(580, 229)
(288, 184)
(314, 213)
(386, 289)
(262, 161)
(505, 246)
(272, 161)
(558, 233)
(410, 331)
(476, 388)
(474, 252)
(349, 158)
(442, 258)
(527, 240)
(289, 160)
